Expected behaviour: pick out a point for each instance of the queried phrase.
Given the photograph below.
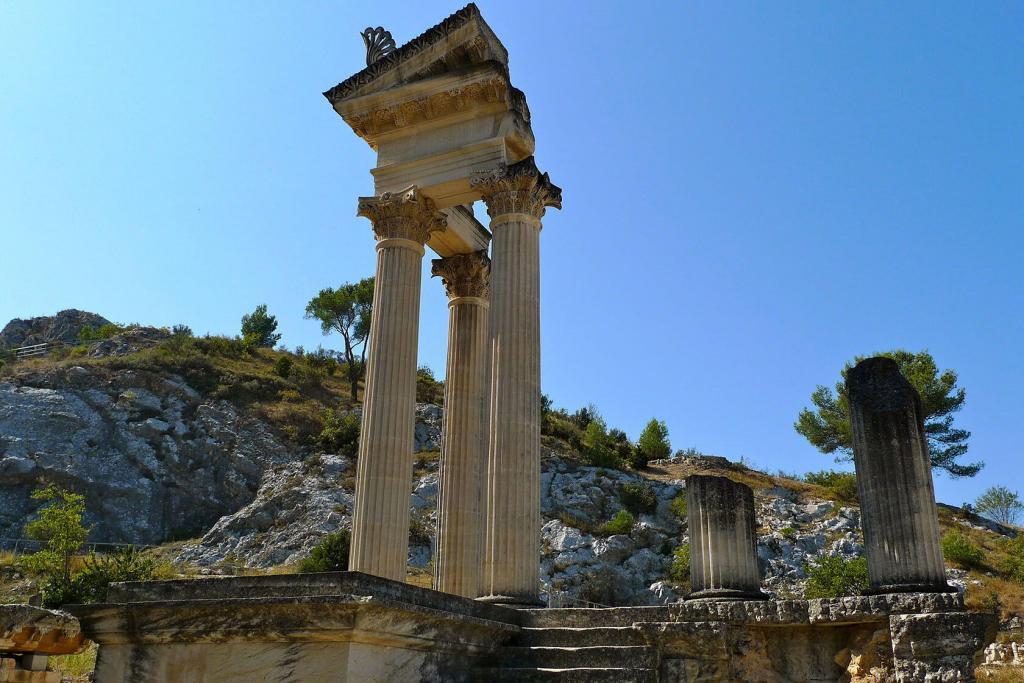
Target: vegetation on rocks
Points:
(834, 577)
(329, 555)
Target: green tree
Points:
(1000, 503)
(653, 443)
(598, 448)
(827, 426)
(680, 568)
(58, 524)
(347, 310)
(835, 577)
(258, 328)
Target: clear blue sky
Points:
(754, 192)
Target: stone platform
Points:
(349, 626)
(29, 636)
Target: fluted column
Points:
(458, 567)
(894, 480)
(402, 223)
(723, 540)
(516, 197)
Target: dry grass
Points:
(1000, 674)
(75, 668)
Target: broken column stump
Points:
(894, 481)
(723, 540)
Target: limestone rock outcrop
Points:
(62, 327)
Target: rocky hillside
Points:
(63, 327)
(205, 445)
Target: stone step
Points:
(596, 617)
(601, 656)
(579, 637)
(580, 675)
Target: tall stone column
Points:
(723, 540)
(402, 223)
(516, 197)
(460, 519)
(894, 481)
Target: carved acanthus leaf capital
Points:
(464, 274)
(519, 188)
(408, 215)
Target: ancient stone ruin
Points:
(450, 129)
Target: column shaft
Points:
(894, 480)
(402, 223)
(460, 513)
(514, 448)
(516, 198)
(723, 539)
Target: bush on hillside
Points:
(340, 432)
(329, 555)
(585, 415)
(638, 498)
(90, 334)
(653, 444)
(680, 569)
(841, 485)
(99, 571)
(678, 506)
(835, 577)
(428, 388)
(621, 523)
(961, 550)
(1013, 566)
(598, 448)
(283, 367)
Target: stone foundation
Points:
(349, 626)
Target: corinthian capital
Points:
(519, 188)
(464, 274)
(407, 215)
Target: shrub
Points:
(329, 555)
(99, 571)
(835, 577)
(963, 551)
(258, 328)
(307, 376)
(638, 498)
(678, 506)
(621, 523)
(598, 449)
(91, 334)
(585, 415)
(1013, 566)
(283, 367)
(428, 389)
(788, 532)
(841, 485)
(340, 432)
(680, 569)
(419, 533)
(181, 331)
(653, 444)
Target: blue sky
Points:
(754, 192)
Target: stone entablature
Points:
(29, 636)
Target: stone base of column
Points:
(726, 594)
(515, 601)
(911, 588)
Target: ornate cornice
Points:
(496, 89)
(464, 274)
(407, 215)
(476, 51)
(519, 188)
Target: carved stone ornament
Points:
(408, 215)
(378, 43)
(464, 274)
(519, 188)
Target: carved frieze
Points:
(464, 274)
(496, 89)
(408, 215)
(518, 188)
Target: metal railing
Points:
(37, 349)
(26, 546)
